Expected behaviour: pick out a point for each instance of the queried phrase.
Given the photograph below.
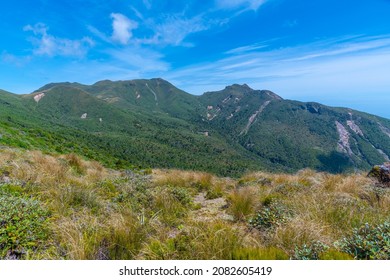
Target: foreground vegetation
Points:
(64, 207)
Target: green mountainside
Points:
(151, 123)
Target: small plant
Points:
(182, 195)
(23, 226)
(368, 242)
(310, 252)
(270, 216)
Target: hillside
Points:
(76, 209)
(151, 123)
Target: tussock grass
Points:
(202, 181)
(199, 240)
(95, 213)
(242, 203)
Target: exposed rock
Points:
(5, 179)
(381, 173)
(384, 129)
(211, 209)
(343, 144)
(355, 128)
(154, 93)
(272, 94)
(253, 117)
(39, 96)
(227, 99)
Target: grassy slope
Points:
(89, 212)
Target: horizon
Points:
(341, 104)
(320, 52)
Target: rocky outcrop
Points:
(343, 143)
(381, 173)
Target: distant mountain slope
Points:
(296, 135)
(154, 124)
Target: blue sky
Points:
(333, 52)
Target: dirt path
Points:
(211, 209)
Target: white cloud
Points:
(174, 30)
(122, 28)
(49, 45)
(348, 66)
(234, 4)
(248, 48)
(139, 59)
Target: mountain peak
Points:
(240, 88)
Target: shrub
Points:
(269, 216)
(310, 252)
(23, 226)
(182, 195)
(368, 242)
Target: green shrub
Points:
(269, 216)
(368, 242)
(182, 195)
(23, 226)
(310, 252)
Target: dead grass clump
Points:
(75, 163)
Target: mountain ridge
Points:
(150, 122)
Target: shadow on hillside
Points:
(334, 162)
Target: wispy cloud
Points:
(174, 29)
(326, 66)
(48, 45)
(18, 61)
(249, 48)
(240, 4)
(137, 58)
(122, 28)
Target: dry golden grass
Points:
(102, 214)
(180, 178)
(242, 202)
